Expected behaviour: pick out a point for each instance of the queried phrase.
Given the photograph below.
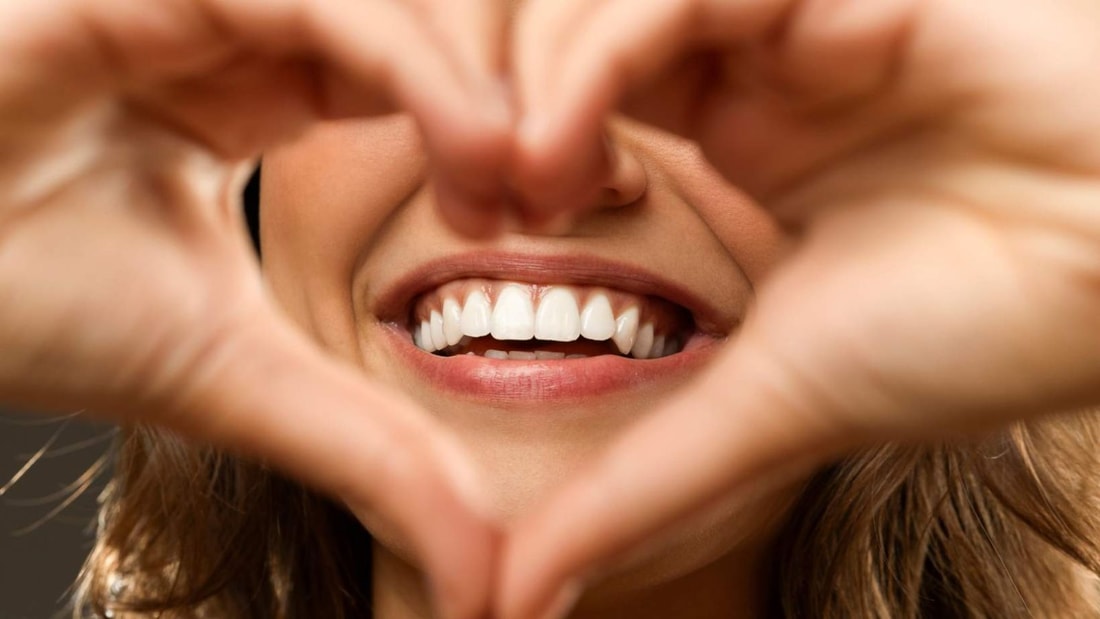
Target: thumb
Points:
(266, 391)
(739, 430)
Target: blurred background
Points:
(47, 511)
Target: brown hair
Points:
(1003, 528)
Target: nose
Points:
(627, 179)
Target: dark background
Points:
(47, 518)
(43, 537)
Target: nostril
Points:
(627, 181)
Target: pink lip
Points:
(392, 304)
(479, 378)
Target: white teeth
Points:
(597, 319)
(426, 336)
(439, 340)
(558, 319)
(626, 330)
(477, 315)
(452, 322)
(643, 344)
(514, 315)
(658, 349)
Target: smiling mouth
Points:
(507, 320)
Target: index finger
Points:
(470, 191)
(267, 392)
(567, 89)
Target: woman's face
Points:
(536, 350)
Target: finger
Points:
(466, 126)
(770, 66)
(541, 32)
(470, 192)
(269, 393)
(472, 29)
(330, 58)
(464, 115)
(619, 45)
(740, 430)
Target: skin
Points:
(941, 173)
(129, 287)
(943, 179)
(371, 181)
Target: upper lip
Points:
(393, 301)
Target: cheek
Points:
(322, 199)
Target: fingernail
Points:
(563, 601)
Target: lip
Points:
(504, 382)
(392, 304)
(507, 381)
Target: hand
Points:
(940, 161)
(128, 285)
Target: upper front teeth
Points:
(558, 317)
(514, 315)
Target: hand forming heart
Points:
(129, 286)
(941, 162)
(944, 178)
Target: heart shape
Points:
(824, 123)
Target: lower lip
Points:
(477, 377)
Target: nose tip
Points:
(627, 181)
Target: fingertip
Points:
(527, 581)
(473, 216)
(459, 598)
(552, 601)
(470, 157)
(558, 170)
(562, 602)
